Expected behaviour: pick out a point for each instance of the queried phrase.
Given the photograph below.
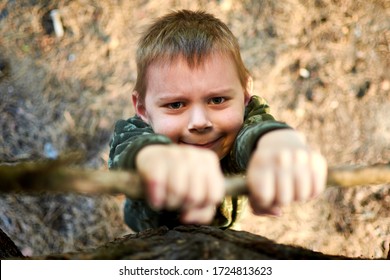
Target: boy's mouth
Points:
(205, 145)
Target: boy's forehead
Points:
(217, 73)
(180, 60)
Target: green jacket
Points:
(131, 135)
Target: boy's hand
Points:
(185, 178)
(282, 170)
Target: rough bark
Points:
(8, 248)
(193, 242)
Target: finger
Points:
(215, 183)
(202, 215)
(195, 193)
(303, 176)
(262, 188)
(178, 184)
(156, 187)
(319, 173)
(272, 211)
(206, 183)
(284, 179)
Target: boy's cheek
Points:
(169, 127)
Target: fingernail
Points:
(155, 205)
(268, 212)
(154, 195)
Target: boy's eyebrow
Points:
(182, 96)
(169, 96)
(222, 91)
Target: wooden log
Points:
(8, 248)
(194, 243)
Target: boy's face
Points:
(203, 106)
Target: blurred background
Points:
(322, 65)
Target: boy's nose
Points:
(199, 120)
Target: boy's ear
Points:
(248, 90)
(139, 106)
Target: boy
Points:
(196, 119)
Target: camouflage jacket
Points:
(131, 135)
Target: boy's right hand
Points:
(182, 178)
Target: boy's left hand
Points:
(282, 170)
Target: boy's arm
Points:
(284, 169)
(258, 121)
(279, 165)
(130, 136)
(128, 144)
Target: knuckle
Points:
(261, 198)
(209, 156)
(215, 197)
(259, 158)
(284, 157)
(194, 197)
(301, 156)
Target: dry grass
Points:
(322, 65)
(61, 223)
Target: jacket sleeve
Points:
(258, 121)
(130, 136)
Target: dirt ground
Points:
(322, 65)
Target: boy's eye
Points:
(175, 105)
(217, 100)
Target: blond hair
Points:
(192, 35)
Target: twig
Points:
(53, 176)
(351, 176)
(57, 24)
(345, 177)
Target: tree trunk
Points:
(193, 242)
(8, 248)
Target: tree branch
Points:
(55, 176)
